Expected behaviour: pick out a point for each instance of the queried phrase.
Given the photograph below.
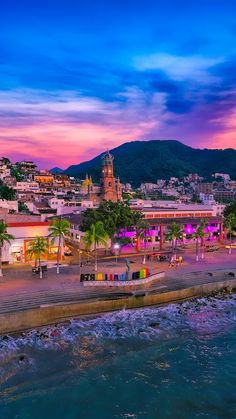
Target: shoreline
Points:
(48, 314)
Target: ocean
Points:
(176, 361)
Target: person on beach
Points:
(179, 261)
(172, 262)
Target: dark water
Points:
(171, 362)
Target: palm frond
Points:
(4, 235)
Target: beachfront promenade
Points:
(22, 290)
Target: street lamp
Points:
(116, 247)
(78, 238)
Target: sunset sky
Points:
(78, 77)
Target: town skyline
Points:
(78, 79)
(117, 209)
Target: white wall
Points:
(26, 186)
(56, 202)
(26, 232)
(10, 205)
(20, 234)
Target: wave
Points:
(202, 316)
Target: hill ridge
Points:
(146, 161)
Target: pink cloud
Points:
(61, 145)
(65, 128)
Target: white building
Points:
(224, 176)
(149, 203)
(207, 199)
(56, 202)
(218, 209)
(170, 192)
(65, 207)
(26, 186)
(9, 205)
(148, 187)
(24, 228)
(4, 172)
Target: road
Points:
(21, 290)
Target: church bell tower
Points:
(110, 186)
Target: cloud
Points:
(178, 67)
(226, 72)
(65, 125)
(72, 84)
(225, 130)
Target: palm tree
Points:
(142, 229)
(174, 233)
(230, 224)
(37, 248)
(59, 229)
(199, 234)
(95, 236)
(4, 238)
(203, 224)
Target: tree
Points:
(126, 196)
(95, 236)
(174, 233)
(195, 199)
(142, 229)
(115, 216)
(59, 229)
(7, 193)
(5, 237)
(22, 207)
(199, 234)
(203, 224)
(5, 161)
(230, 224)
(17, 173)
(230, 209)
(38, 248)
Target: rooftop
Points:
(181, 208)
(20, 218)
(182, 220)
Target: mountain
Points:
(56, 170)
(147, 161)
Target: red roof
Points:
(29, 224)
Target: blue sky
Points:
(78, 77)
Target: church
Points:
(110, 188)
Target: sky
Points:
(78, 77)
